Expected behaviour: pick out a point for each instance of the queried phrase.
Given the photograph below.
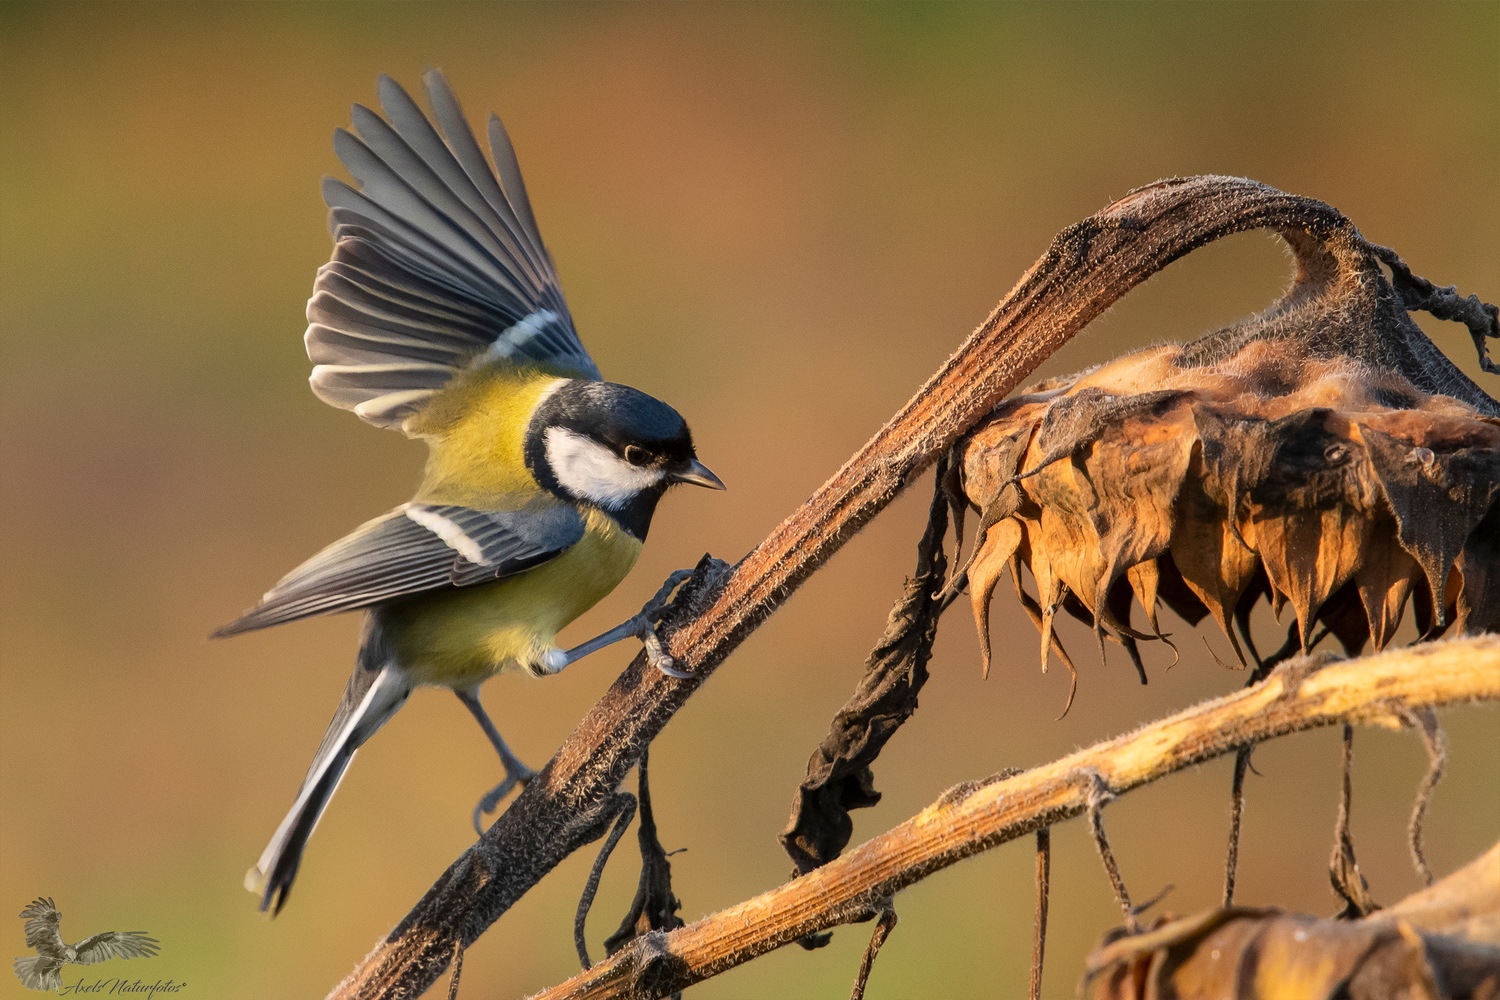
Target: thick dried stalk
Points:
(1089, 266)
(972, 818)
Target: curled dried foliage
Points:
(839, 776)
(1286, 458)
(655, 906)
(1443, 942)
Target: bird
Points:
(43, 971)
(441, 315)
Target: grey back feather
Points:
(438, 263)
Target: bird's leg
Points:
(516, 773)
(642, 627)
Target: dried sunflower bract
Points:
(1314, 456)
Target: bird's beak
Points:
(699, 475)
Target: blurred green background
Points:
(780, 218)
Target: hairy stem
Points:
(1298, 695)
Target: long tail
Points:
(373, 695)
(39, 972)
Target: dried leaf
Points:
(1075, 420)
(1034, 612)
(996, 550)
(1479, 601)
(1439, 490)
(1143, 580)
(1310, 512)
(1073, 560)
(1136, 468)
(993, 454)
(1236, 454)
(1207, 550)
(1385, 579)
(1443, 942)
(838, 772)
(655, 906)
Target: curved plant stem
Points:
(1298, 695)
(1088, 267)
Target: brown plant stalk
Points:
(1088, 267)
(977, 816)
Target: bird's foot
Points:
(656, 650)
(516, 775)
(643, 626)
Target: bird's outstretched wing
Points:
(39, 972)
(43, 925)
(415, 548)
(115, 944)
(437, 263)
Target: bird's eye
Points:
(636, 455)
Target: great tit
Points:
(440, 315)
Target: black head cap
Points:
(613, 446)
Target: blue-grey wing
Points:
(437, 264)
(414, 549)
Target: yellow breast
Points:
(461, 636)
(476, 434)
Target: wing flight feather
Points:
(116, 944)
(414, 549)
(438, 263)
(43, 924)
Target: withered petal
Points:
(1142, 577)
(1074, 420)
(1479, 601)
(1034, 612)
(996, 550)
(1385, 579)
(1137, 469)
(1215, 564)
(1438, 498)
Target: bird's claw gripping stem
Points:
(644, 625)
(656, 650)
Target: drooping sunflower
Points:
(1316, 456)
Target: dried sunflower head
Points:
(1316, 456)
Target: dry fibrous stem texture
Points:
(1088, 267)
(1301, 694)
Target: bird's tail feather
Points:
(372, 696)
(36, 972)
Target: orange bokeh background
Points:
(779, 218)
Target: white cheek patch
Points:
(589, 470)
